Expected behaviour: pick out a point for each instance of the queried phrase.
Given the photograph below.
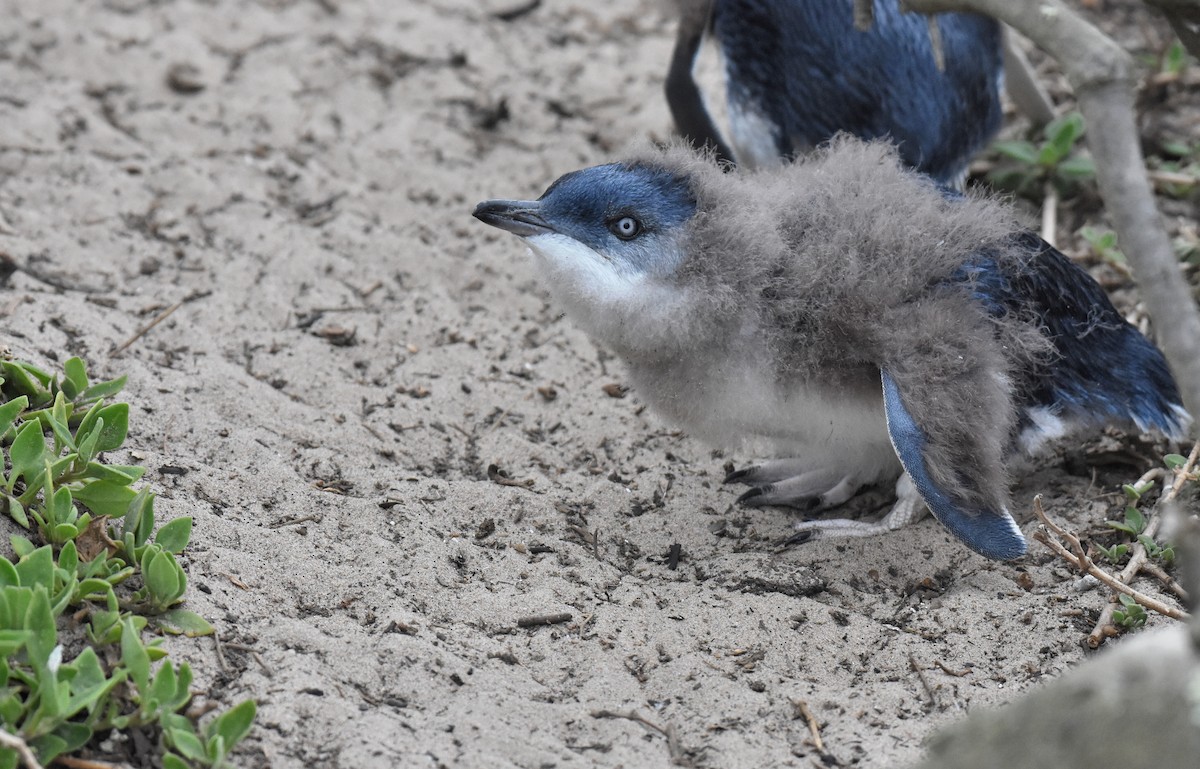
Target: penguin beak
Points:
(520, 217)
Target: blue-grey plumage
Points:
(797, 72)
(849, 316)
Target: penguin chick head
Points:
(607, 240)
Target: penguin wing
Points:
(964, 498)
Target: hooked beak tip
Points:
(520, 217)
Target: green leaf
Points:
(68, 389)
(134, 655)
(164, 579)
(164, 687)
(106, 498)
(173, 537)
(64, 532)
(25, 379)
(88, 422)
(12, 640)
(68, 558)
(60, 508)
(16, 511)
(116, 426)
(172, 761)
(104, 626)
(8, 575)
(27, 451)
(37, 568)
(87, 447)
(48, 746)
(56, 419)
(1174, 461)
(139, 518)
(1177, 148)
(1021, 151)
(183, 622)
(10, 410)
(1175, 58)
(1135, 519)
(104, 389)
(76, 373)
(120, 474)
(74, 737)
(1049, 155)
(90, 587)
(233, 724)
(40, 623)
(20, 545)
(183, 689)
(1077, 168)
(14, 606)
(1061, 133)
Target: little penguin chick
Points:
(798, 71)
(851, 317)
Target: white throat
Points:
(628, 310)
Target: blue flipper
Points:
(989, 532)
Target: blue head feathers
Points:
(625, 202)
(630, 215)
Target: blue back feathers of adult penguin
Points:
(849, 316)
(797, 72)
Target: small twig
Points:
(545, 619)
(157, 319)
(267, 671)
(1084, 564)
(13, 742)
(1050, 213)
(498, 476)
(1172, 177)
(253, 653)
(1156, 571)
(220, 654)
(678, 756)
(813, 727)
(317, 517)
(1138, 553)
(142, 331)
(912, 663)
(84, 763)
(949, 672)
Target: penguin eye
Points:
(625, 228)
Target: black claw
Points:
(757, 491)
(738, 476)
(799, 538)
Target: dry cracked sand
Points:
(351, 356)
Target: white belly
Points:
(843, 429)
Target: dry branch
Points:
(1139, 554)
(1079, 559)
(19, 746)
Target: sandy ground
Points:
(353, 352)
